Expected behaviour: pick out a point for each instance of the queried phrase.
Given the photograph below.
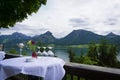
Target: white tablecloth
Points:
(50, 68)
(2, 55)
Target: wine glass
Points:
(20, 45)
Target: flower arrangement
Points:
(32, 47)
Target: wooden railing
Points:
(90, 72)
(7, 56)
(75, 71)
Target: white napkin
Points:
(39, 53)
(50, 53)
(44, 53)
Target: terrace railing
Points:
(75, 71)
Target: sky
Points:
(63, 16)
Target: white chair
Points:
(2, 55)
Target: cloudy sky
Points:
(62, 16)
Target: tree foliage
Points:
(107, 54)
(80, 59)
(13, 51)
(92, 52)
(103, 54)
(71, 55)
(87, 60)
(12, 11)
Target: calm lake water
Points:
(62, 53)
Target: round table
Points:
(50, 68)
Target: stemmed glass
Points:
(20, 45)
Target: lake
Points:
(62, 53)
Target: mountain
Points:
(17, 35)
(111, 35)
(79, 37)
(113, 38)
(11, 40)
(45, 38)
(76, 37)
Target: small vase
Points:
(34, 55)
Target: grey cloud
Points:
(17, 27)
(111, 21)
(31, 30)
(77, 22)
(25, 29)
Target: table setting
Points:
(41, 63)
(49, 68)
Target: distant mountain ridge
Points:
(79, 37)
(112, 35)
(45, 38)
(11, 41)
(76, 37)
